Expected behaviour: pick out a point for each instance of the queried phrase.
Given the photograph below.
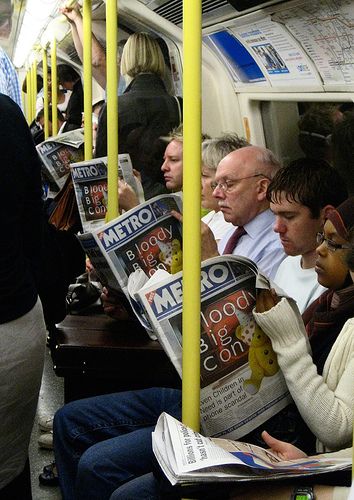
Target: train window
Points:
(280, 121)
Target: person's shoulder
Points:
(9, 106)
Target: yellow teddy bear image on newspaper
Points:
(261, 357)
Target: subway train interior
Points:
(263, 66)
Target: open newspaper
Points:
(57, 153)
(186, 456)
(90, 183)
(146, 237)
(241, 383)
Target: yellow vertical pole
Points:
(54, 77)
(29, 97)
(112, 107)
(192, 13)
(33, 90)
(45, 92)
(87, 63)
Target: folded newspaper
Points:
(186, 456)
(241, 382)
(90, 183)
(57, 153)
(146, 237)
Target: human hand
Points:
(266, 299)
(71, 13)
(209, 247)
(283, 450)
(127, 197)
(208, 243)
(137, 174)
(112, 306)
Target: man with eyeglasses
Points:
(301, 195)
(241, 183)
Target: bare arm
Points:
(74, 17)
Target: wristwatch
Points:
(303, 493)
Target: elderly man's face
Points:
(242, 186)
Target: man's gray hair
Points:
(214, 150)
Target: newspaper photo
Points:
(90, 183)
(241, 382)
(57, 153)
(186, 456)
(146, 237)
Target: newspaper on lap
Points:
(57, 153)
(241, 382)
(186, 456)
(90, 183)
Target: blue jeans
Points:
(104, 442)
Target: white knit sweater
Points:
(325, 402)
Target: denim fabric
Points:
(104, 442)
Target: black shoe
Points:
(49, 476)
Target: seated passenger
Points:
(240, 187)
(300, 196)
(213, 151)
(321, 381)
(38, 136)
(146, 111)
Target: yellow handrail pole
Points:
(45, 93)
(33, 91)
(87, 63)
(54, 77)
(192, 14)
(28, 98)
(35, 88)
(112, 108)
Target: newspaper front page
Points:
(57, 153)
(241, 383)
(186, 456)
(90, 183)
(146, 237)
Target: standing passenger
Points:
(69, 79)
(9, 84)
(145, 113)
(22, 328)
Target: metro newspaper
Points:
(57, 153)
(186, 456)
(142, 238)
(241, 383)
(90, 184)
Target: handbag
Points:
(65, 216)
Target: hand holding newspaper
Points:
(186, 456)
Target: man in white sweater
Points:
(300, 196)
